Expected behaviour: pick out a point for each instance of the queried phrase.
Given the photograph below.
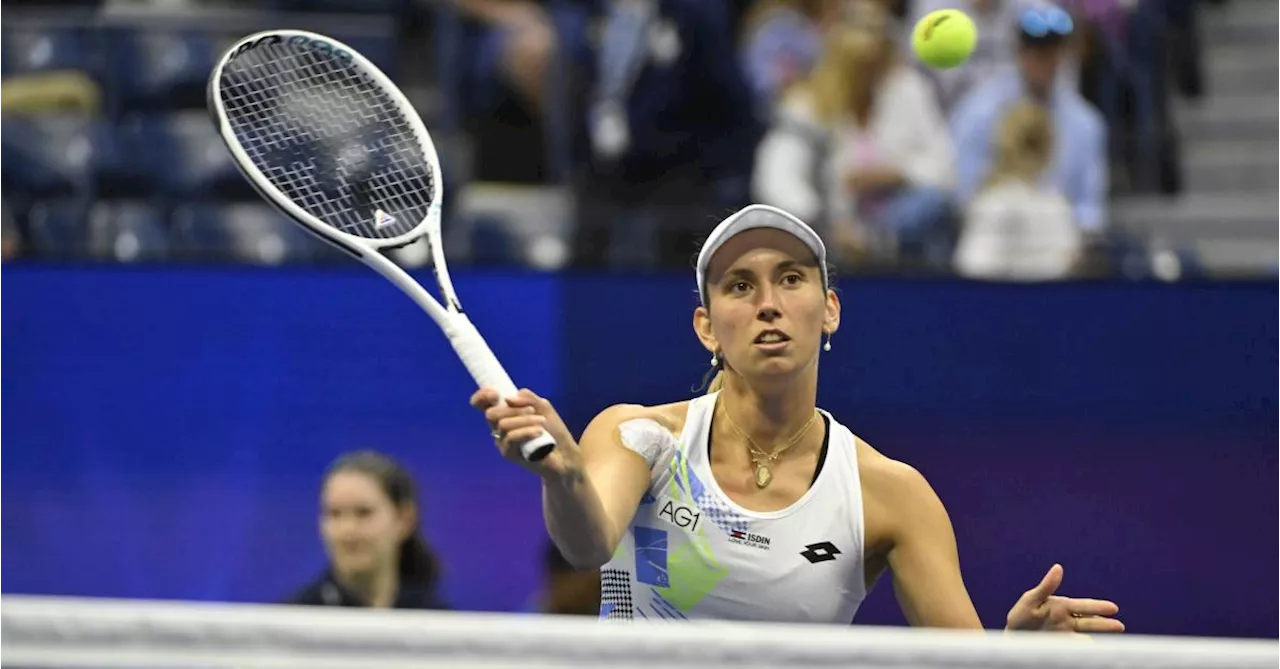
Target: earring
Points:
(827, 346)
(715, 359)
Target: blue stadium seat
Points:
(56, 156)
(161, 69)
(34, 49)
(491, 243)
(12, 159)
(57, 229)
(128, 231)
(184, 155)
(253, 233)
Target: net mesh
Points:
(55, 632)
(329, 136)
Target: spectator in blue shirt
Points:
(1079, 165)
(781, 43)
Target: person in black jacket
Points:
(369, 524)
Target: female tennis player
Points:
(749, 502)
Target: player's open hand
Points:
(522, 418)
(1039, 609)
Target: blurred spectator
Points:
(1079, 166)
(996, 21)
(1017, 228)
(862, 146)
(499, 70)
(569, 591)
(1109, 16)
(670, 133)
(781, 42)
(515, 48)
(10, 237)
(369, 524)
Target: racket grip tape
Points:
(484, 367)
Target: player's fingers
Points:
(528, 398)
(511, 441)
(512, 423)
(1090, 607)
(1094, 624)
(484, 398)
(496, 413)
(1048, 585)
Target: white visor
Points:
(758, 216)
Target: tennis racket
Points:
(328, 139)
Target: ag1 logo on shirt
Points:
(680, 516)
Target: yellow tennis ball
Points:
(944, 38)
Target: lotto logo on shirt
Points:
(748, 539)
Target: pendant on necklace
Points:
(763, 475)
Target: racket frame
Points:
(450, 317)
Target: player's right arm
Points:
(590, 487)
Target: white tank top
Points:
(691, 552)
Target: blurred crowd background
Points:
(1127, 138)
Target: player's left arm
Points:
(931, 591)
(923, 557)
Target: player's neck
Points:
(768, 416)
(378, 587)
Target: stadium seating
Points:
(148, 176)
(243, 232)
(160, 69)
(127, 231)
(57, 157)
(34, 49)
(57, 229)
(185, 157)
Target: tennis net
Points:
(46, 632)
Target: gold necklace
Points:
(763, 459)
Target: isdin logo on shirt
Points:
(749, 539)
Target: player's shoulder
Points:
(883, 475)
(669, 416)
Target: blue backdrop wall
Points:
(166, 429)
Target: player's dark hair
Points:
(419, 566)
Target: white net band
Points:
(106, 634)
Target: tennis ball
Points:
(945, 38)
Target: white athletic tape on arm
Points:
(648, 439)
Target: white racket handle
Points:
(488, 373)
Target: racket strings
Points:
(330, 138)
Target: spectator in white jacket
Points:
(861, 148)
(1017, 228)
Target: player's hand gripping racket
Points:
(329, 140)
